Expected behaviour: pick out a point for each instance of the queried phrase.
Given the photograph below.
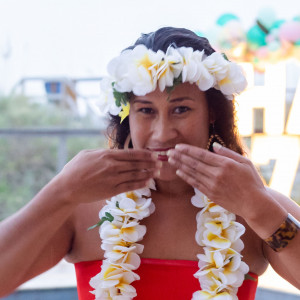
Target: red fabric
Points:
(160, 280)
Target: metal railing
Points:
(61, 133)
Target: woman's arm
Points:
(287, 261)
(40, 234)
(35, 238)
(232, 181)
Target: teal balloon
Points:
(256, 37)
(200, 33)
(297, 18)
(277, 24)
(297, 43)
(266, 17)
(223, 19)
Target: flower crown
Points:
(140, 70)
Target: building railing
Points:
(61, 133)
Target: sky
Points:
(77, 38)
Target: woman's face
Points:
(160, 120)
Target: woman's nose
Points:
(164, 130)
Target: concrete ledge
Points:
(71, 294)
(44, 294)
(266, 294)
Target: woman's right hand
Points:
(94, 175)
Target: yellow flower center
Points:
(132, 196)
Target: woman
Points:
(173, 104)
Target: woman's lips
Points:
(161, 153)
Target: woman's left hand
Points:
(225, 177)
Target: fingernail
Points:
(159, 164)
(170, 152)
(157, 173)
(178, 172)
(148, 183)
(217, 146)
(154, 155)
(171, 160)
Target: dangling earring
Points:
(127, 141)
(214, 138)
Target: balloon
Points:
(297, 18)
(290, 31)
(297, 43)
(266, 16)
(262, 52)
(274, 45)
(277, 24)
(200, 33)
(234, 30)
(256, 37)
(270, 38)
(223, 19)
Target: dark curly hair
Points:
(222, 109)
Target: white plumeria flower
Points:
(117, 68)
(210, 226)
(233, 272)
(123, 256)
(238, 245)
(199, 199)
(234, 83)
(140, 69)
(107, 102)
(217, 65)
(130, 232)
(169, 68)
(192, 64)
(113, 275)
(146, 191)
(132, 206)
(123, 247)
(205, 295)
(111, 280)
(221, 240)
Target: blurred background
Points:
(53, 54)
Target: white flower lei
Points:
(141, 70)
(221, 270)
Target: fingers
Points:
(131, 155)
(135, 176)
(189, 164)
(228, 153)
(198, 154)
(130, 186)
(201, 186)
(194, 172)
(137, 166)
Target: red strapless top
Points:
(160, 280)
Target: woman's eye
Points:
(181, 109)
(146, 110)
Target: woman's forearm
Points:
(27, 233)
(270, 217)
